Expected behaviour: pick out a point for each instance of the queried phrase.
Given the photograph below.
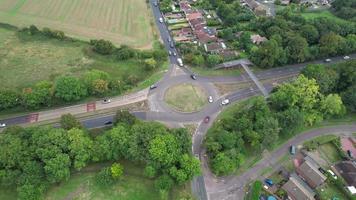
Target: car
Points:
(105, 101)
(346, 57)
(155, 3)
(174, 53)
(108, 123)
(322, 170)
(328, 60)
(210, 99)
(171, 44)
(169, 39)
(170, 53)
(2, 125)
(225, 102)
(160, 20)
(269, 182)
(292, 149)
(349, 153)
(206, 119)
(153, 87)
(193, 77)
(332, 174)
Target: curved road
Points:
(216, 188)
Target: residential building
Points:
(297, 189)
(309, 171)
(347, 170)
(258, 8)
(257, 39)
(214, 47)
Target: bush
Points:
(164, 183)
(103, 47)
(69, 88)
(68, 121)
(9, 99)
(125, 117)
(104, 177)
(256, 190)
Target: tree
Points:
(332, 105)
(164, 182)
(297, 48)
(326, 78)
(222, 164)
(104, 177)
(102, 46)
(164, 149)
(80, 147)
(125, 117)
(117, 170)
(290, 120)
(150, 64)
(68, 121)
(213, 60)
(58, 168)
(150, 171)
(349, 98)
(100, 86)
(332, 44)
(9, 99)
(30, 192)
(269, 54)
(69, 88)
(309, 32)
(96, 81)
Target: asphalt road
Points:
(230, 187)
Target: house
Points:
(204, 37)
(285, 2)
(197, 24)
(347, 170)
(297, 189)
(214, 47)
(184, 6)
(309, 171)
(194, 15)
(257, 39)
(257, 8)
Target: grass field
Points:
(121, 21)
(186, 98)
(82, 186)
(323, 13)
(25, 60)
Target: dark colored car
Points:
(349, 153)
(206, 119)
(108, 123)
(269, 182)
(322, 170)
(193, 77)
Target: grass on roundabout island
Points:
(185, 98)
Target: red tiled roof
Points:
(194, 15)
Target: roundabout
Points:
(186, 98)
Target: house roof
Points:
(309, 170)
(184, 5)
(204, 37)
(257, 39)
(215, 46)
(194, 15)
(297, 189)
(347, 169)
(252, 4)
(196, 22)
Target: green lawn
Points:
(330, 152)
(323, 13)
(25, 60)
(330, 191)
(186, 97)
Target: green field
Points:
(323, 13)
(186, 98)
(121, 21)
(82, 186)
(25, 60)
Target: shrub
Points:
(103, 47)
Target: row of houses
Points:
(309, 176)
(197, 31)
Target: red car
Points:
(207, 119)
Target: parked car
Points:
(328, 60)
(174, 53)
(346, 57)
(2, 125)
(170, 53)
(169, 39)
(193, 77)
(105, 101)
(210, 99)
(322, 170)
(160, 20)
(206, 119)
(108, 123)
(269, 182)
(171, 45)
(225, 102)
(292, 149)
(153, 87)
(155, 3)
(332, 174)
(349, 153)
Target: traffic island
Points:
(186, 98)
